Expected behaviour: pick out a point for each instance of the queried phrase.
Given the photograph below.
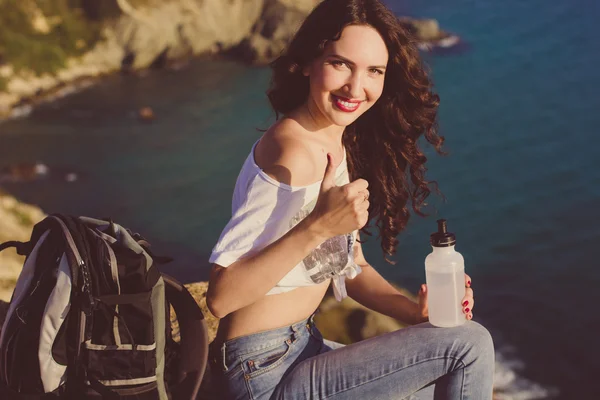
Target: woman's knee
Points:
(477, 342)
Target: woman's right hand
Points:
(340, 209)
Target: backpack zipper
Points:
(87, 289)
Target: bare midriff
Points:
(272, 311)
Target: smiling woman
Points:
(354, 100)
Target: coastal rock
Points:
(23, 172)
(139, 38)
(146, 114)
(185, 26)
(349, 321)
(424, 29)
(428, 34)
(276, 26)
(198, 291)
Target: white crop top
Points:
(263, 210)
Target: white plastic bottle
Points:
(445, 277)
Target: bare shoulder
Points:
(286, 156)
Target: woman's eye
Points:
(376, 71)
(337, 63)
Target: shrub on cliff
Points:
(40, 36)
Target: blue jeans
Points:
(418, 362)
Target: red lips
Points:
(351, 106)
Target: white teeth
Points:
(348, 105)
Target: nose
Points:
(354, 86)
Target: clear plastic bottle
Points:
(445, 277)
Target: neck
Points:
(313, 121)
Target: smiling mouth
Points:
(346, 105)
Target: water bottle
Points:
(445, 277)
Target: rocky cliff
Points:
(130, 36)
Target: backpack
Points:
(90, 318)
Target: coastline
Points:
(168, 35)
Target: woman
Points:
(354, 100)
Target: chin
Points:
(343, 119)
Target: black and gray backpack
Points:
(90, 318)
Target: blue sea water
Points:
(520, 113)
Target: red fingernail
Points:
(467, 309)
(465, 303)
(469, 283)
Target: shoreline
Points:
(172, 35)
(26, 104)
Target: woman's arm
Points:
(250, 278)
(373, 291)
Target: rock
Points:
(71, 177)
(146, 114)
(276, 26)
(23, 172)
(198, 291)
(190, 24)
(428, 33)
(348, 321)
(176, 28)
(424, 29)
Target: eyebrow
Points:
(352, 63)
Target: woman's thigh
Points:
(394, 365)
(252, 366)
(424, 394)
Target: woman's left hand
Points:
(468, 301)
(422, 311)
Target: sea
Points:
(520, 112)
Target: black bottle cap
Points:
(442, 238)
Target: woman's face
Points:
(348, 78)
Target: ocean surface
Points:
(520, 112)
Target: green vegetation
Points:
(23, 218)
(68, 28)
(8, 284)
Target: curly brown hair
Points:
(382, 143)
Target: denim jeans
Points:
(295, 362)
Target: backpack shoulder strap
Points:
(194, 339)
(23, 248)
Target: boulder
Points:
(279, 21)
(425, 30)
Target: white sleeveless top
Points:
(263, 210)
